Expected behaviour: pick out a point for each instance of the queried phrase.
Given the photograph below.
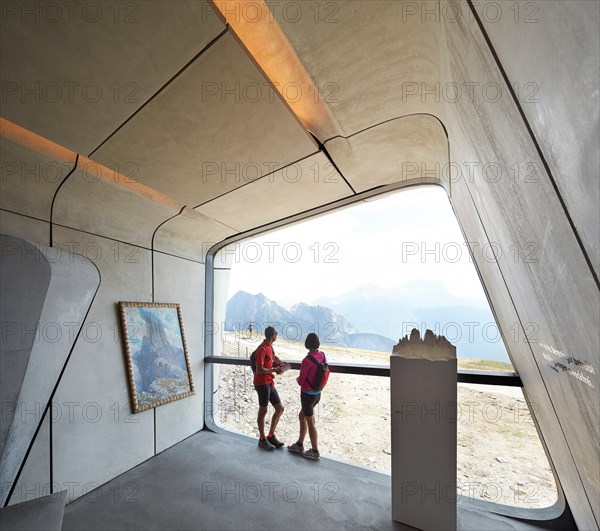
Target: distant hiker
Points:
(267, 364)
(310, 395)
(250, 330)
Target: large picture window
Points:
(362, 277)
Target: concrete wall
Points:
(541, 284)
(90, 435)
(556, 82)
(45, 297)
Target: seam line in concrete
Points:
(161, 89)
(56, 194)
(535, 142)
(250, 182)
(49, 403)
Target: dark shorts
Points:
(309, 402)
(267, 394)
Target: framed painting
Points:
(158, 365)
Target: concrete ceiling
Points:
(413, 149)
(194, 144)
(365, 72)
(31, 193)
(313, 181)
(194, 122)
(76, 78)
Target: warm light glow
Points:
(255, 26)
(39, 144)
(19, 135)
(127, 184)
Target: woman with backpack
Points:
(313, 376)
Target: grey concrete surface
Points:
(555, 95)
(42, 514)
(212, 481)
(179, 280)
(366, 71)
(190, 235)
(30, 229)
(541, 264)
(34, 479)
(196, 141)
(61, 287)
(24, 278)
(519, 350)
(311, 182)
(81, 203)
(122, 55)
(215, 482)
(412, 148)
(423, 439)
(30, 179)
(95, 436)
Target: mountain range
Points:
(369, 316)
(298, 321)
(393, 312)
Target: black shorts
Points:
(267, 394)
(309, 402)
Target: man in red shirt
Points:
(267, 364)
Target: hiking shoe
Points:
(298, 448)
(263, 443)
(311, 454)
(275, 441)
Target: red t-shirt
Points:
(264, 356)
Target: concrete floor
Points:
(215, 481)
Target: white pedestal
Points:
(423, 406)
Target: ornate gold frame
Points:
(130, 374)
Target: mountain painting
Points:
(157, 360)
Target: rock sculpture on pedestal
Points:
(423, 405)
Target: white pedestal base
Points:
(423, 406)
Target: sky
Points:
(408, 236)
